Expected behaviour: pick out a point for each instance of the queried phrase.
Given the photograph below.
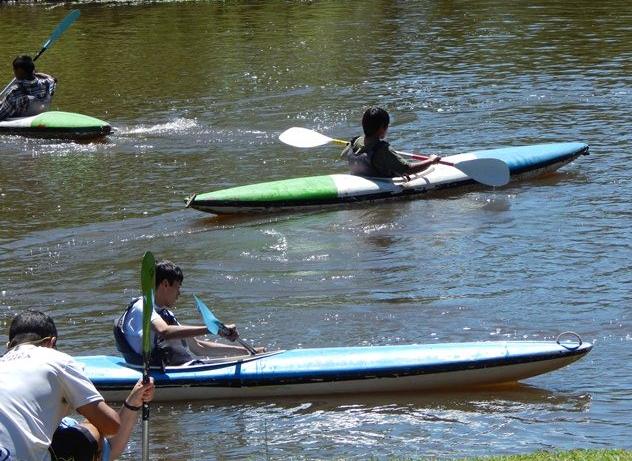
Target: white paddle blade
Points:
(488, 171)
(302, 137)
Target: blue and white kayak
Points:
(344, 189)
(342, 370)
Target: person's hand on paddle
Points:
(141, 393)
(229, 332)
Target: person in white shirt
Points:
(173, 343)
(40, 385)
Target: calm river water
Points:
(199, 92)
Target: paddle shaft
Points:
(405, 154)
(488, 171)
(148, 284)
(60, 29)
(247, 346)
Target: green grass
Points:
(573, 455)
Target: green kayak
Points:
(56, 125)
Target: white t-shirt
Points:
(38, 387)
(133, 326)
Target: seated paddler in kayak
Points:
(173, 343)
(371, 156)
(30, 94)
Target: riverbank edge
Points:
(570, 455)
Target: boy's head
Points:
(375, 122)
(32, 327)
(23, 67)
(169, 278)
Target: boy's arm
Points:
(176, 331)
(101, 416)
(140, 393)
(43, 75)
(202, 347)
(388, 161)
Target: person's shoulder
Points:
(14, 89)
(135, 304)
(56, 356)
(135, 308)
(358, 141)
(40, 76)
(43, 354)
(382, 147)
(65, 364)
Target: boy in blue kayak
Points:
(30, 94)
(370, 155)
(173, 343)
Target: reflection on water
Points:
(198, 93)
(323, 426)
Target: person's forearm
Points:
(101, 416)
(202, 347)
(118, 442)
(219, 345)
(182, 331)
(420, 166)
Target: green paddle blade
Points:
(211, 322)
(148, 285)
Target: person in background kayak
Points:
(173, 344)
(370, 155)
(40, 385)
(30, 94)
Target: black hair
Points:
(373, 119)
(25, 63)
(166, 270)
(30, 326)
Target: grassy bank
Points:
(573, 455)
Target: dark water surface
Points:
(199, 92)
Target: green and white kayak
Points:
(343, 189)
(56, 125)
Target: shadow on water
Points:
(488, 399)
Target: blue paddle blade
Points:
(210, 320)
(61, 28)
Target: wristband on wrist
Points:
(131, 407)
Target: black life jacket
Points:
(361, 159)
(164, 352)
